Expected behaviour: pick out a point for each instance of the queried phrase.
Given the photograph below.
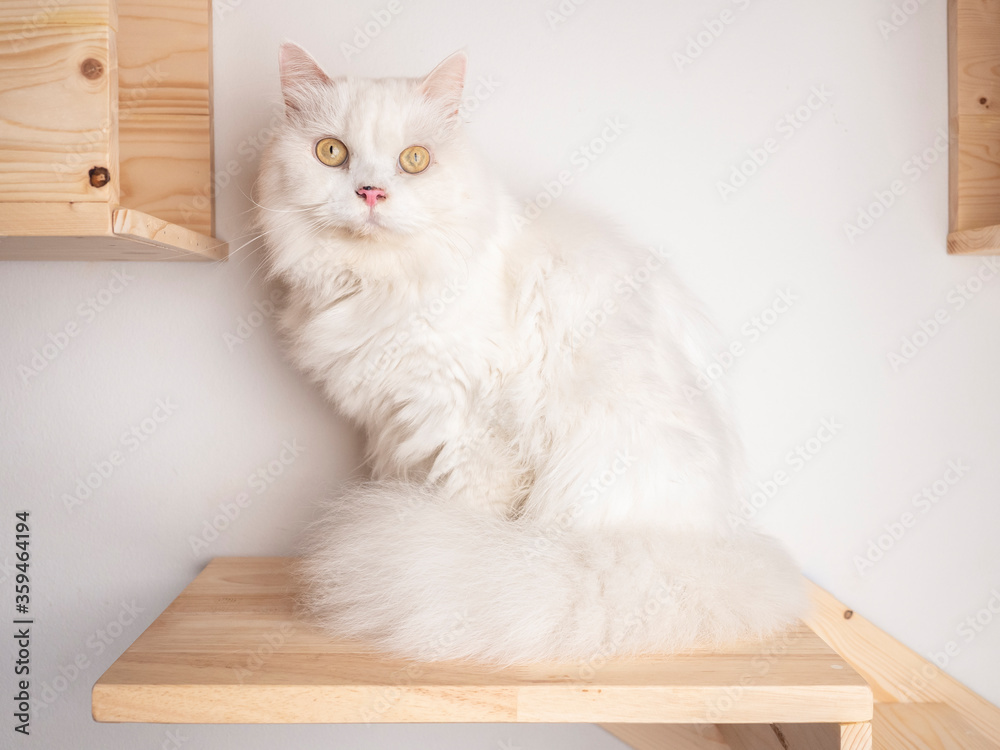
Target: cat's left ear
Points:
(299, 74)
(444, 84)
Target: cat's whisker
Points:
(316, 222)
(252, 240)
(254, 232)
(305, 207)
(253, 209)
(258, 236)
(253, 274)
(310, 207)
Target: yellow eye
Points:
(414, 159)
(331, 152)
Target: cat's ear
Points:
(299, 74)
(445, 83)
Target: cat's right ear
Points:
(299, 74)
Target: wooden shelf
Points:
(106, 131)
(230, 649)
(974, 125)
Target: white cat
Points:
(548, 480)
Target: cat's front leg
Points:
(481, 469)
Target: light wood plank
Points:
(978, 172)
(89, 248)
(164, 54)
(48, 219)
(145, 228)
(56, 123)
(28, 17)
(672, 736)
(983, 241)
(895, 673)
(924, 726)
(184, 669)
(166, 168)
(688, 704)
(952, 113)
(751, 737)
(977, 57)
(165, 57)
(857, 736)
(95, 231)
(974, 124)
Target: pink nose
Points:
(371, 194)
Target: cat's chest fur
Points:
(404, 353)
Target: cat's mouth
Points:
(374, 217)
(372, 223)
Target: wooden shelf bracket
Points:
(106, 131)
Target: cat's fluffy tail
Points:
(400, 569)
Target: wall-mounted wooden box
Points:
(974, 122)
(106, 130)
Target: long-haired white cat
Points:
(548, 480)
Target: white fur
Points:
(546, 466)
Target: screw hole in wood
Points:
(99, 176)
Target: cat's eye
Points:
(331, 152)
(414, 159)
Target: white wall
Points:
(163, 336)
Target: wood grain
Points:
(142, 227)
(54, 219)
(164, 55)
(165, 107)
(673, 736)
(984, 241)
(856, 736)
(26, 18)
(895, 726)
(895, 673)
(122, 86)
(95, 231)
(924, 726)
(977, 56)
(231, 648)
(55, 122)
(952, 15)
(191, 666)
(974, 124)
(751, 737)
(166, 168)
(978, 171)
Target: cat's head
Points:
(368, 159)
